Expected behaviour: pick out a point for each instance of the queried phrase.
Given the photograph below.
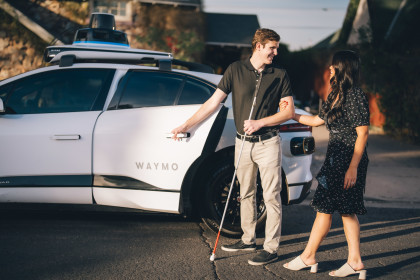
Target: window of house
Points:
(120, 9)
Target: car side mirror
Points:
(2, 111)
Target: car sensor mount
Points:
(102, 43)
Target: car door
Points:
(136, 164)
(46, 135)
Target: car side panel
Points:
(155, 201)
(46, 144)
(46, 150)
(68, 195)
(132, 151)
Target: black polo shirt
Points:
(241, 78)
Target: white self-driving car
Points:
(94, 128)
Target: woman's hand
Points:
(283, 105)
(350, 178)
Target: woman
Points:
(342, 178)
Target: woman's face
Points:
(332, 71)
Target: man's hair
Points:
(263, 35)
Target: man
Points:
(262, 147)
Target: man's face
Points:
(268, 51)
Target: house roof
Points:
(196, 3)
(396, 22)
(392, 22)
(230, 29)
(329, 41)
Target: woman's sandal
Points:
(298, 264)
(347, 270)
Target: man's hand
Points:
(251, 126)
(180, 129)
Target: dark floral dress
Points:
(330, 195)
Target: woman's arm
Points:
(303, 119)
(359, 148)
(308, 120)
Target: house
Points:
(227, 37)
(377, 29)
(124, 10)
(214, 39)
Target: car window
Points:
(71, 90)
(195, 92)
(149, 89)
(4, 91)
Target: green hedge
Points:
(395, 77)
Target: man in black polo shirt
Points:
(262, 147)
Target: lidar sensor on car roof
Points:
(101, 31)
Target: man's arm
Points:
(251, 126)
(205, 110)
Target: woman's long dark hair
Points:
(346, 65)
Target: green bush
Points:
(179, 31)
(184, 45)
(394, 77)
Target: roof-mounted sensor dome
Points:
(101, 31)
(102, 20)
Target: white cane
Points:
(213, 255)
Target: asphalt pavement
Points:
(68, 243)
(390, 231)
(96, 242)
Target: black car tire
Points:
(213, 200)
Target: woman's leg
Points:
(320, 229)
(352, 231)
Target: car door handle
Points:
(66, 137)
(179, 135)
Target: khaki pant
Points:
(265, 156)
